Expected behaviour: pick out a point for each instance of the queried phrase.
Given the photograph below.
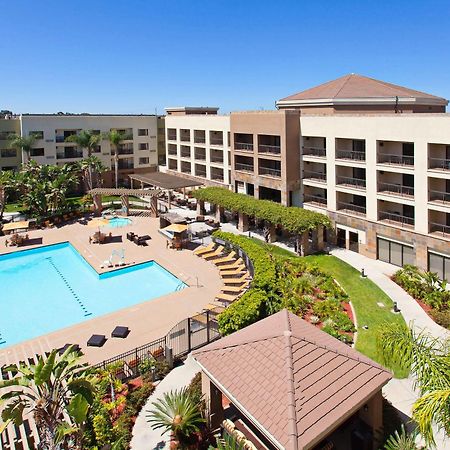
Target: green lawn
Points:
(364, 295)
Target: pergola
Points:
(124, 195)
(164, 181)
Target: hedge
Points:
(293, 219)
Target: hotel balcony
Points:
(317, 176)
(173, 164)
(185, 135)
(125, 149)
(216, 138)
(244, 164)
(126, 164)
(439, 157)
(200, 153)
(396, 214)
(69, 153)
(351, 204)
(396, 190)
(269, 144)
(199, 137)
(315, 152)
(315, 197)
(185, 151)
(269, 168)
(200, 170)
(185, 167)
(350, 178)
(350, 182)
(439, 224)
(216, 174)
(216, 157)
(396, 184)
(314, 147)
(353, 150)
(243, 142)
(171, 134)
(394, 153)
(439, 191)
(172, 149)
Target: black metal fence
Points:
(188, 335)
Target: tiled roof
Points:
(357, 86)
(292, 379)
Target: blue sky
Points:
(137, 55)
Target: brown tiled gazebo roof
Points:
(163, 180)
(294, 382)
(353, 86)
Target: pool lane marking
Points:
(69, 287)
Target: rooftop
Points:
(183, 110)
(164, 180)
(296, 383)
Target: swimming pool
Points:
(49, 288)
(119, 222)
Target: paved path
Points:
(144, 438)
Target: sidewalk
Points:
(144, 437)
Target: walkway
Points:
(144, 437)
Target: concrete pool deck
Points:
(149, 320)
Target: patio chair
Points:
(231, 257)
(217, 252)
(199, 251)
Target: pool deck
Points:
(147, 321)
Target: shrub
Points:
(343, 322)
(327, 308)
(314, 320)
(139, 396)
(441, 317)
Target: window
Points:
(37, 152)
(143, 146)
(8, 153)
(144, 161)
(37, 134)
(395, 252)
(5, 135)
(439, 264)
(97, 149)
(142, 132)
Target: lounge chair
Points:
(232, 266)
(217, 308)
(239, 280)
(226, 298)
(233, 273)
(231, 257)
(235, 289)
(207, 249)
(217, 252)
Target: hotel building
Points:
(373, 156)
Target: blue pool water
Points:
(119, 222)
(49, 288)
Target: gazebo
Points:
(163, 181)
(124, 195)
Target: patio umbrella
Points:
(176, 228)
(97, 223)
(23, 225)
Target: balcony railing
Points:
(316, 199)
(439, 196)
(217, 159)
(274, 149)
(200, 156)
(244, 167)
(199, 140)
(216, 177)
(216, 141)
(397, 218)
(314, 176)
(185, 154)
(352, 208)
(358, 183)
(395, 189)
(387, 158)
(439, 228)
(172, 137)
(126, 164)
(350, 154)
(315, 151)
(439, 163)
(125, 151)
(200, 173)
(60, 139)
(270, 172)
(243, 146)
(69, 155)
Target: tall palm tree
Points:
(178, 412)
(115, 138)
(22, 144)
(87, 140)
(428, 359)
(91, 168)
(56, 391)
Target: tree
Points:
(22, 144)
(401, 440)
(90, 169)
(428, 359)
(180, 413)
(7, 183)
(58, 393)
(115, 138)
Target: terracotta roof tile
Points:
(293, 379)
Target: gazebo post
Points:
(97, 200)
(125, 203)
(220, 213)
(243, 222)
(169, 194)
(154, 206)
(200, 207)
(131, 182)
(304, 244)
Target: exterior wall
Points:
(368, 109)
(8, 158)
(161, 144)
(283, 124)
(184, 160)
(428, 133)
(53, 125)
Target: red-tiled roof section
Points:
(357, 86)
(296, 381)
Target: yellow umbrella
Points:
(176, 228)
(16, 225)
(98, 222)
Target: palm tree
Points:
(178, 412)
(58, 393)
(115, 138)
(428, 359)
(91, 168)
(86, 140)
(401, 440)
(22, 144)
(7, 182)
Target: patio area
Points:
(148, 320)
